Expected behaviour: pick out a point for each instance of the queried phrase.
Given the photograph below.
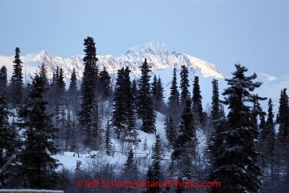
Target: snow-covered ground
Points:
(69, 159)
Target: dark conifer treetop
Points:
(145, 102)
(197, 101)
(174, 98)
(3, 78)
(236, 159)
(185, 93)
(39, 133)
(215, 113)
(16, 90)
(17, 73)
(73, 79)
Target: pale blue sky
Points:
(223, 32)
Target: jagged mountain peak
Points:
(151, 47)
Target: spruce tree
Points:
(104, 83)
(280, 109)
(154, 173)
(72, 92)
(68, 131)
(171, 131)
(119, 112)
(197, 101)
(37, 165)
(88, 87)
(268, 133)
(157, 93)
(123, 115)
(43, 74)
(154, 86)
(130, 113)
(160, 92)
(129, 162)
(130, 167)
(144, 100)
(215, 113)
(73, 82)
(174, 98)
(185, 93)
(282, 142)
(257, 111)
(61, 83)
(108, 143)
(186, 142)
(235, 164)
(268, 144)
(16, 87)
(8, 144)
(283, 119)
(3, 79)
(134, 92)
(154, 90)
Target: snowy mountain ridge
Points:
(156, 53)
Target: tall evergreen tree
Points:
(104, 83)
(38, 167)
(257, 111)
(174, 98)
(283, 142)
(130, 113)
(144, 100)
(72, 92)
(186, 142)
(154, 173)
(73, 82)
(61, 83)
(197, 101)
(16, 87)
(185, 93)
(3, 79)
(157, 93)
(119, 111)
(236, 161)
(130, 167)
(68, 131)
(171, 131)
(134, 92)
(55, 76)
(88, 86)
(269, 129)
(215, 113)
(283, 119)
(268, 145)
(56, 93)
(8, 145)
(43, 74)
(154, 90)
(123, 116)
(108, 143)
(160, 91)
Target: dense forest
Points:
(246, 148)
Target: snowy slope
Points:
(143, 157)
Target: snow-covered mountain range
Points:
(156, 53)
